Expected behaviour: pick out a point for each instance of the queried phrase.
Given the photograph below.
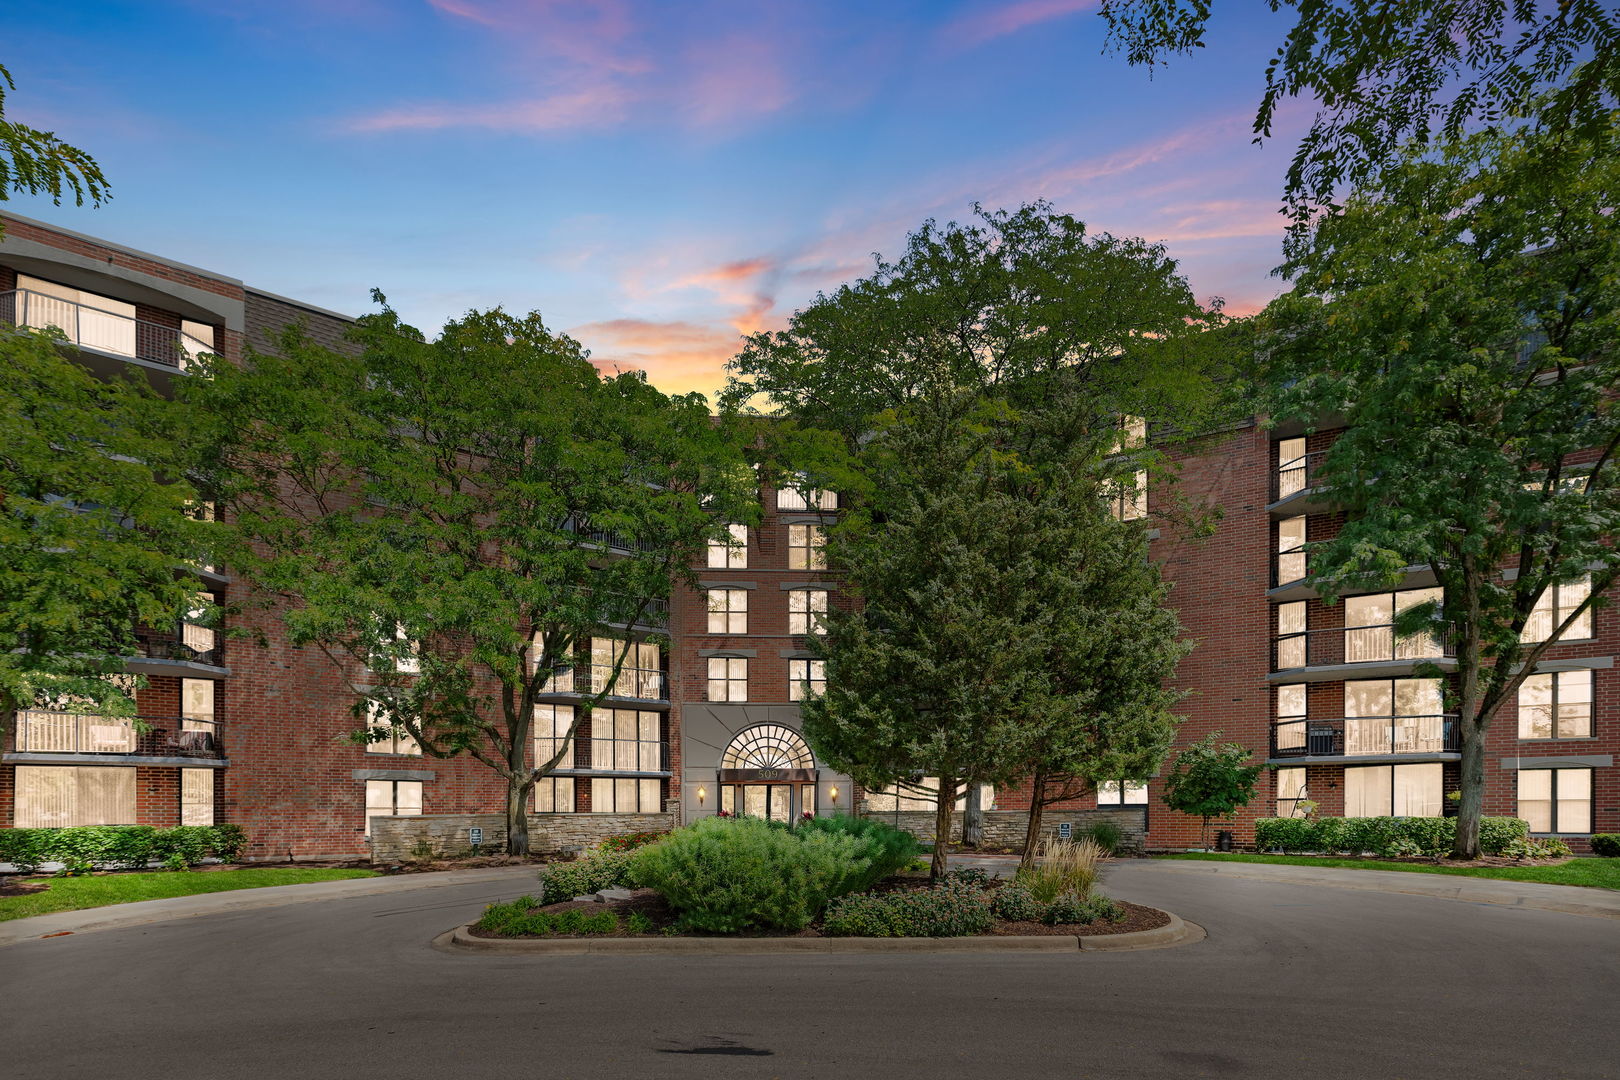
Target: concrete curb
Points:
(1176, 932)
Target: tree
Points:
(1211, 779)
(37, 162)
(452, 520)
(1461, 319)
(97, 526)
(1387, 74)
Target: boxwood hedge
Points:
(1385, 836)
(119, 847)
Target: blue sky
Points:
(655, 178)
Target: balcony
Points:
(638, 684)
(580, 524)
(1376, 647)
(654, 616)
(104, 331)
(183, 643)
(47, 731)
(1294, 485)
(1377, 737)
(597, 756)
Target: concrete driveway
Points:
(1294, 981)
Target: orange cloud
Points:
(975, 28)
(678, 356)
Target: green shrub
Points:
(1068, 909)
(970, 875)
(637, 923)
(518, 919)
(82, 849)
(1384, 836)
(949, 909)
(890, 850)
(1015, 903)
(1105, 834)
(1606, 844)
(730, 875)
(1537, 847)
(592, 873)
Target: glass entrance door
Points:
(774, 802)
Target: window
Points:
(197, 705)
(806, 608)
(196, 796)
(406, 661)
(728, 678)
(396, 740)
(554, 795)
(728, 611)
(791, 498)
(1556, 705)
(53, 796)
(551, 725)
(1129, 502)
(806, 677)
(1553, 800)
(1556, 604)
(807, 547)
(1393, 790)
(626, 740)
(1290, 549)
(1291, 467)
(1394, 716)
(85, 318)
(626, 795)
(1291, 637)
(197, 631)
(1122, 793)
(1291, 792)
(641, 676)
(1369, 632)
(392, 798)
(732, 554)
(922, 794)
(1291, 718)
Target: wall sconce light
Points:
(832, 793)
(703, 793)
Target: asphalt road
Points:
(1293, 981)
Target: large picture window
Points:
(792, 498)
(1556, 800)
(626, 795)
(1556, 705)
(806, 678)
(806, 609)
(1393, 716)
(1291, 792)
(731, 553)
(728, 611)
(57, 796)
(1556, 604)
(728, 678)
(807, 547)
(1122, 793)
(554, 795)
(551, 727)
(393, 740)
(626, 740)
(1369, 630)
(1393, 790)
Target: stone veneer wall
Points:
(394, 838)
(1006, 828)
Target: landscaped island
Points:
(832, 876)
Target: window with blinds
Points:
(57, 796)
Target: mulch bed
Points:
(652, 904)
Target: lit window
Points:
(1291, 467)
(1394, 716)
(1291, 637)
(196, 796)
(552, 724)
(728, 611)
(84, 318)
(806, 609)
(1290, 732)
(1291, 792)
(395, 739)
(728, 678)
(1556, 800)
(1556, 604)
(1369, 623)
(807, 547)
(626, 740)
(392, 798)
(626, 795)
(923, 794)
(1393, 790)
(1556, 705)
(1290, 549)
(197, 705)
(1117, 793)
(730, 554)
(792, 498)
(56, 796)
(554, 795)
(806, 678)
(641, 675)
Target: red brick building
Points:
(705, 718)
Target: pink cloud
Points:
(595, 107)
(977, 27)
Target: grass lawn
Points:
(1595, 873)
(71, 894)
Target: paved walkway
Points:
(521, 878)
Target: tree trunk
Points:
(1472, 801)
(517, 817)
(945, 803)
(1032, 833)
(1203, 832)
(973, 817)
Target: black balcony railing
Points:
(1358, 736)
(106, 331)
(50, 731)
(185, 641)
(1297, 475)
(581, 525)
(606, 754)
(1353, 645)
(642, 684)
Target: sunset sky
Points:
(655, 178)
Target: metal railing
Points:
(581, 525)
(185, 641)
(606, 754)
(1356, 736)
(1288, 567)
(50, 731)
(1296, 475)
(643, 684)
(107, 331)
(1353, 645)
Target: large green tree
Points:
(1385, 74)
(1461, 320)
(453, 519)
(35, 162)
(98, 526)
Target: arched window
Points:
(768, 746)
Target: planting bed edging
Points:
(1176, 932)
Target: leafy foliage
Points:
(117, 847)
(1387, 74)
(950, 908)
(630, 841)
(601, 869)
(1384, 836)
(519, 919)
(1462, 319)
(1015, 902)
(888, 850)
(36, 162)
(1070, 909)
(1606, 844)
(1210, 779)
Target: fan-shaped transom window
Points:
(768, 746)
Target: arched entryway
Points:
(768, 771)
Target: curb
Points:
(1176, 932)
